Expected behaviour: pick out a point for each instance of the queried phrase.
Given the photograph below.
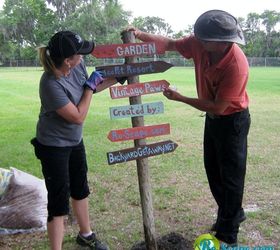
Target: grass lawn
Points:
(181, 198)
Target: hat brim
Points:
(239, 40)
(86, 48)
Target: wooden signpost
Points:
(127, 50)
(137, 89)
(140, 152)
(136, 110)
(131, 69)
(138, 132)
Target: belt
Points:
(213, 116)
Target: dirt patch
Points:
(171, 241)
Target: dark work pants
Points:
(65, 172)
(225, 154)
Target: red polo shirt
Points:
(225, 81)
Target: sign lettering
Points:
(127, 50)
(141, 152)
(136, 110)
(131, 69)
(139, 132)
(137, 89)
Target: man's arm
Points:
(167, 43)
(215, 107)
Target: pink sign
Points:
(137, 89)
(127, 50)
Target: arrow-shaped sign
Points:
(152, 108)
(149, 150)
(127, 50)
(131, 69)
(137, 89)
(139, 132)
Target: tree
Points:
(64, 8)
(270, 20)
(152, 24)
(100, 20)
(26, 24)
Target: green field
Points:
(181, 197)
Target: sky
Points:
(182, 13)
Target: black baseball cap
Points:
(218, 26)
(64, 44)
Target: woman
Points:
(66, 93)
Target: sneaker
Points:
(242, 217)
(91, 242)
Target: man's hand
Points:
(94, 80)
(172, 94)
(135, 31)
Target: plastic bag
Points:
(5, 176)
(23, 205)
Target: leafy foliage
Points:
(27, 24)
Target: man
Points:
(221, 71)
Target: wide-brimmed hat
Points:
(64, 44)
(219, 26)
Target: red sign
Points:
(145, 151)
(137, 89)
(139, 132)
(131, 69)
(127, 50)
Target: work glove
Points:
(94, 80)
(121, 80)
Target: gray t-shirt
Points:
(52, 129)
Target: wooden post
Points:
(142, 164)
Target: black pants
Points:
(65, 172)
(225, 154)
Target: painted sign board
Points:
(137, 89)
(139, 132)
(131, 69)
(145, 151)
(152, 108)
(127, 50)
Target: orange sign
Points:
(139, 132)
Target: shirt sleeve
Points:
(53, 96)
(188, 46)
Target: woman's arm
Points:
(77, 114)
